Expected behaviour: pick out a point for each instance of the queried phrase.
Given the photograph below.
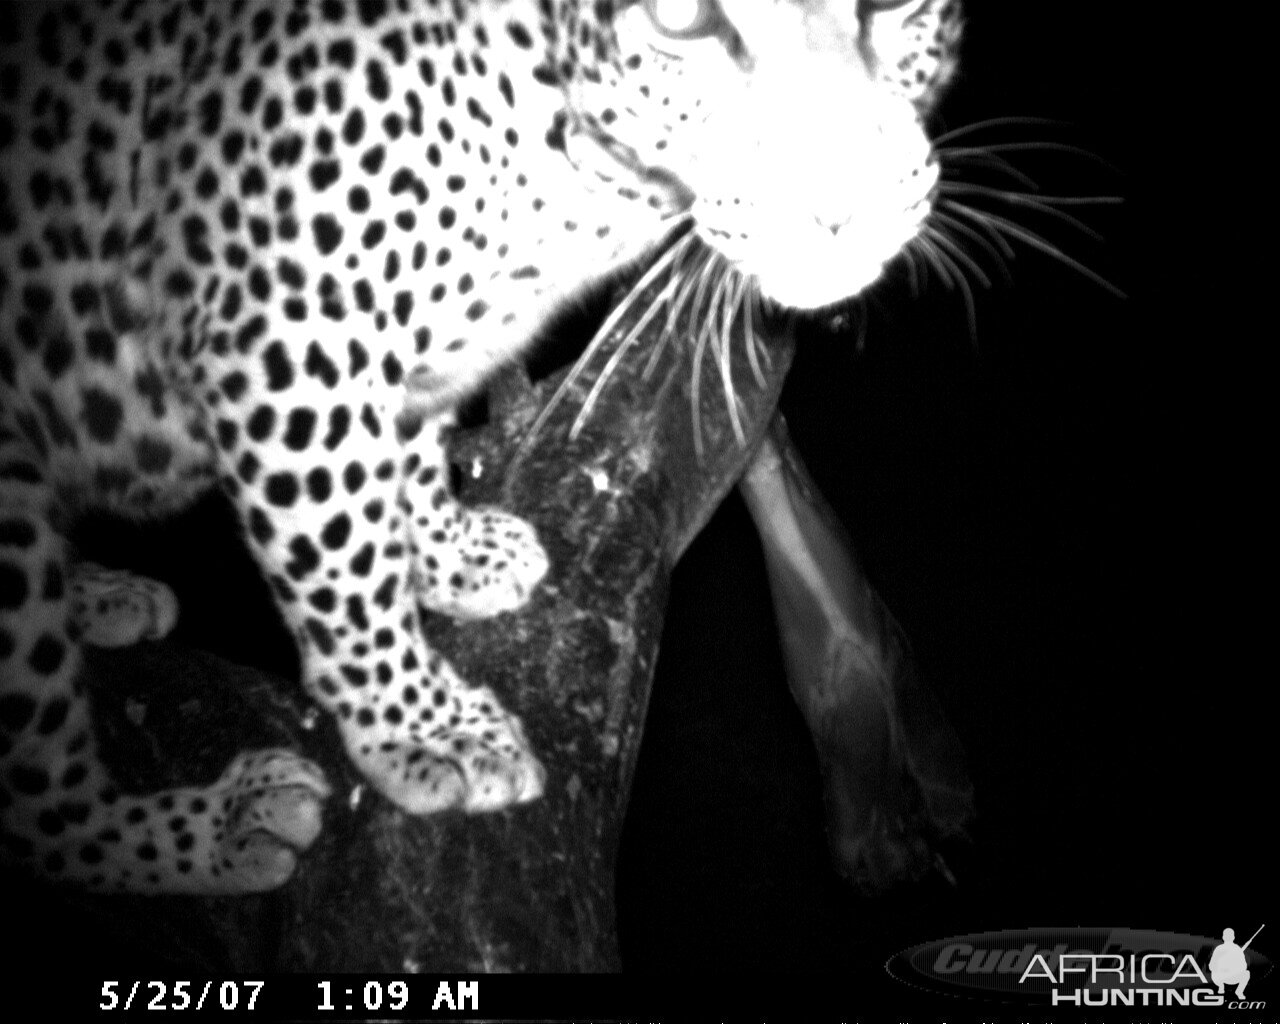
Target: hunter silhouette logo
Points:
(1116, 967)
(1228, 966)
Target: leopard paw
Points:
(244, 832)
(465, 753)
(113, 608)
(241, 834)
(464, 773)
(477, 562)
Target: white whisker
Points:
(958, 254)
(1053, 147)
(685, 281)
(1034, 240)
(913, 280)
(962, 155)
(706, 334)
(994, 122)
(1039, 199)
(598, 340)
(632, 335)
(1041, 204)
(965, 291)
(663, 298)
(998, 239)
(930, 252)
(695, 388)
(728, 301)
(980, 239)
(756, 309)
(699, 349)
(746, 301)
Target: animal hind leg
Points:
(60, 812)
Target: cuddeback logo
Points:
(1088, 967)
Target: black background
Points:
(1050, 508)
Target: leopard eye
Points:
(686, 19)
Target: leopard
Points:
(270, 249)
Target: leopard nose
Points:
(833, 226)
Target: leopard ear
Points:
(947, 24)
(915, 44)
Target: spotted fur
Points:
(269, 247)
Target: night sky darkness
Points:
(1011, 498)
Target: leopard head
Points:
(792, 132)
